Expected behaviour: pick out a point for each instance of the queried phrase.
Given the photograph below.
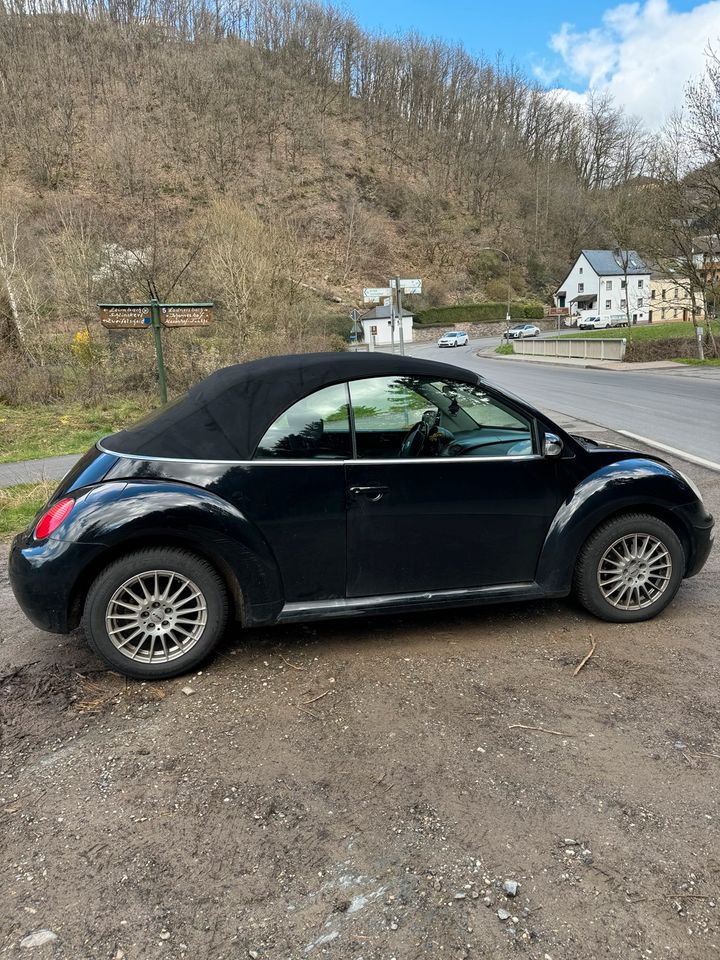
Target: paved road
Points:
(678, 408)
(32, 471)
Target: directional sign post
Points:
(409, 287)
(371, 294)
(391, 296)
(128, 316)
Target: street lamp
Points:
(507, 314)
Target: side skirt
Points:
(404, 602)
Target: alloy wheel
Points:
(634, 571)
(156, 616)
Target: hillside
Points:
(275, 158)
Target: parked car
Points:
(454, 338)
(521, 330)
(344, 484)
(594, 323)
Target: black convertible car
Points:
(329, 485)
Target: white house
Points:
(596, 285)
(377, 330)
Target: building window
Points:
(623, 303)
(653, 294)
(581, 287)
(640, 302)
(675, 296)
(608, 284)
(662, 313)
(640, 284)
(608, 304)
(580, 270)
(675, 314)
(623, 284)
(663, 294)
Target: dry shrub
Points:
(124, 364)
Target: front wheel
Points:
(629, 569)
(156, 613)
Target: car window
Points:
(411, 417)
(316, 427)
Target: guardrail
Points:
(610, 349)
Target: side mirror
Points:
(552, 446)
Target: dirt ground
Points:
(361, 790)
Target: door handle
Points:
(370, 493)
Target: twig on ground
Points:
(702, 753)
(587, 656)
(318, 697)
(312, 713)
(14, 673)
(690, 763)
(523, 726)
(673, 896)
(285, 660)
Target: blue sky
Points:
(643, 53)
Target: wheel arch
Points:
(605, 495)
(236, 598)
(117, 518)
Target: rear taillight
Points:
(53, 517)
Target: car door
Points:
(470, 507)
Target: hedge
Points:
(478, 313)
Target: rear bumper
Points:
(44, 578)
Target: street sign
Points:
(116, 316)
(355, 315)
(371, 294)
(373, 331)
(156, 316)
(409, 286)
(186, 314)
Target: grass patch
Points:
(505, 349)
(696, 362)
(50, 430)
(653, 331)
(19, 504)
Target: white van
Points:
(594, 323)
(603, 322)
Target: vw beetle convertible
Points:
(327, 485)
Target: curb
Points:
(617, 365)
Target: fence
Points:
(610, 349)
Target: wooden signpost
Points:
(136, 316)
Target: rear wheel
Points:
(156, 613)
(629, 569)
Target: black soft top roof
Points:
(225, 416)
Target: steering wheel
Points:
(414, 440)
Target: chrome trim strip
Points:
(310, 462)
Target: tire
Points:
(607, 557)
(195, 596)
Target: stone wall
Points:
(474, 330)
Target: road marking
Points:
(709, 464)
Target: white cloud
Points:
(643, 54)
